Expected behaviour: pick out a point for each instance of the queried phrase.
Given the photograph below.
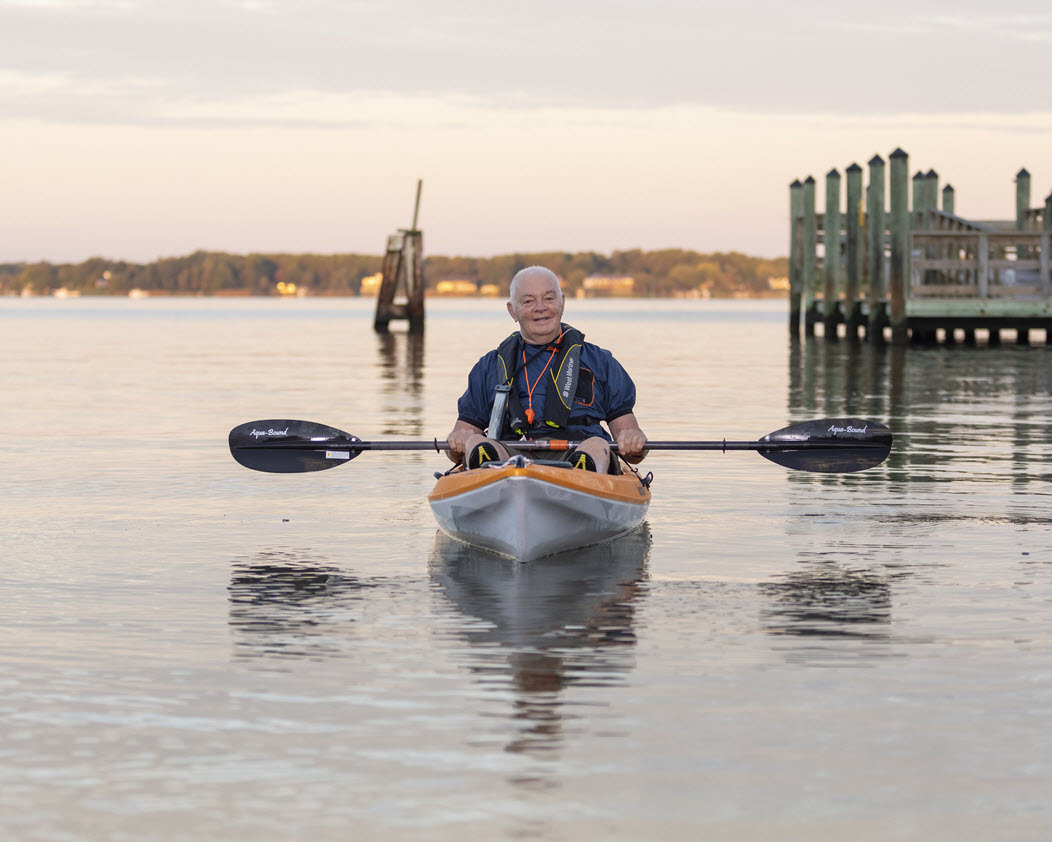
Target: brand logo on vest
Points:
(568, 379)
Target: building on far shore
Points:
(371, 284)
(456, 287)
(595, 286)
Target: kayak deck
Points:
(527, 510)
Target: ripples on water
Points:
(196, 651)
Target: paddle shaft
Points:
(553, 445)
(825, 445)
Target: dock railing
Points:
(980, 265)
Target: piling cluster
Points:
(886, 268)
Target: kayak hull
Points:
(527, 510)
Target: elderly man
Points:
(561, 387)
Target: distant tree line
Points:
(662, 273)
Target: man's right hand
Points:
(458, 439)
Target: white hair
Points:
(533, 270)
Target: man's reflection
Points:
(560, 621)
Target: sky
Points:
(138, 129)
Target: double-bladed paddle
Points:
(825, 445)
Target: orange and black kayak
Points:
(526, 509)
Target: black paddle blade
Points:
(291, 447)
(829, 445)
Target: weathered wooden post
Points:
(810, 258)
(796, 251)
(949, 206)
(898, 276)
(931, 202)
(853, 253)
(919, 222)
(831, 241)
(931, 187)
(401, 272)
(1022, 199)
(1022, 206)
(875, 249)
(1045, 269)
(920, 218)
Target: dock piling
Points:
(1022, 199)
(831, 316)
(796, 252)
(810, 277)
(875, 250)
(899, 225)
(853, 253)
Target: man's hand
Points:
(631, 441)
(458, 439)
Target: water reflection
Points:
(850, 379)
(401, 368)
(537, 629)
(284, 604)
(970, 467)
(975, 411)
(828, 600)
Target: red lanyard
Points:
(530, 414)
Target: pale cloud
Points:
(263, 7)
(16, 84)
(105, 6)
(1022, 27)
(764, 57)
(307, 108)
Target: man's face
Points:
(538, 309)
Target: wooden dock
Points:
(892, 270)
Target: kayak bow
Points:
(528, 510)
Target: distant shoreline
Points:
(429, 295)
(667, 273)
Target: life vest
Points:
(565, 374)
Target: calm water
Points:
(191, 650)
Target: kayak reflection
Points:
(538, 628)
